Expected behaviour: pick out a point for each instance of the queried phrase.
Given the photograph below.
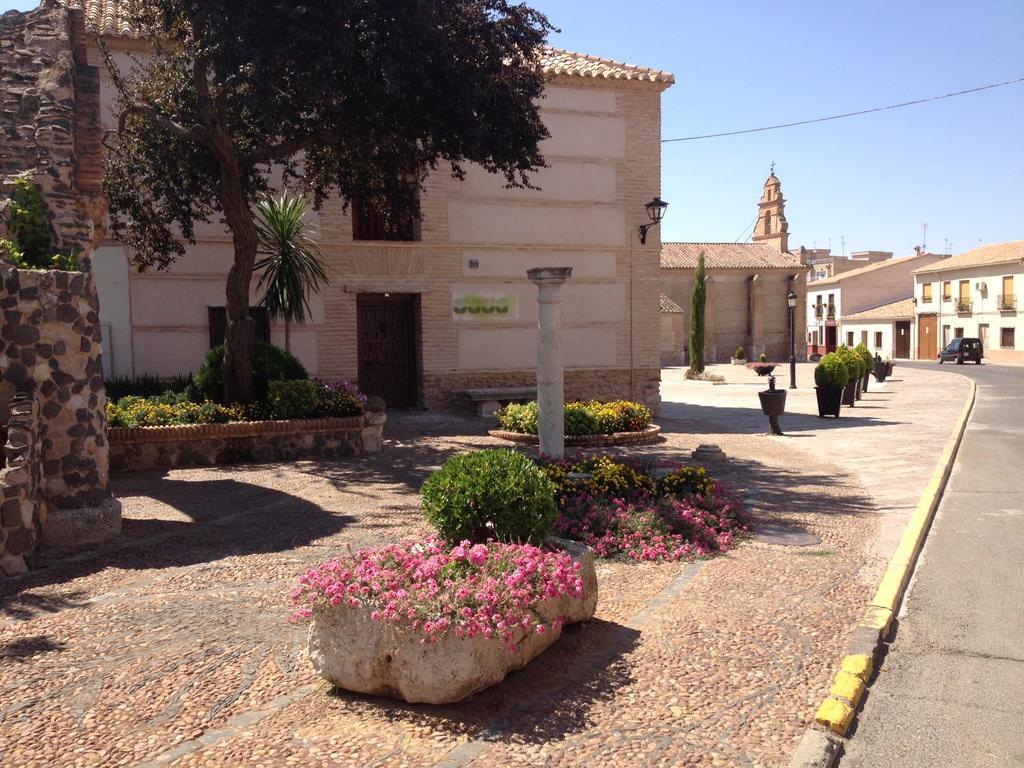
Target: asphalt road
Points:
(951, 689)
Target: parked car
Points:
(961, 350)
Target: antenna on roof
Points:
(842, 239)
(924, 236)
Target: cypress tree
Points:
(697, 300)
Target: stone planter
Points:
(738, 360)
(649, 435)
(209, 444)
(850, 393)
(888, 368)
(762, 369)
(829, 401)
(352, 651)
(864, 382)
(773, 405)
(881, 371)
(858, 391)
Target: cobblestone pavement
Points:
(172, 646)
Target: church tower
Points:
(772, 227)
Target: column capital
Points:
(541, 276)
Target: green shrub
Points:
(762, 358)
(490, 494)
(269, 363)
(687, 481)
(865, 356)
(168, 409)
(740, 354)
(852, 361)
(831, 371)
(620, 416)
(518, 417)
(145, 385)
(580, 419)
(297, 399)
(339, 399)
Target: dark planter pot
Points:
(773, 402)
(888, 369)
(864, 381)
(858, 391)
(762, 369)
(829, 400)
(850, 393)
(880, 371)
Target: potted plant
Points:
(830, 377)
(853, 363)
(888, 366)
(879, 368)
(739, 358)
(762, 367)
(773, 404)
(865, 356)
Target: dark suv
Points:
(961, 350)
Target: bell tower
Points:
(772, 227)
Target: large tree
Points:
(350, 97)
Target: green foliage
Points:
(852, 361)
(145, 385)
(490, 494)
(31, 243)
(762, 358)
(339, 400)
(269, 363)
(296, 399)
(697, 300)
(740, 354)
(866, 357)
(687, 481)
(831, 371)
(167, 410)
(581, 418)
(292, 266)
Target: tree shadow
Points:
(25, 648)
(693, 418)
(547, 700)
(205, 521)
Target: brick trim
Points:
(134, 435)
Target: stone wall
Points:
(50, 346)
(46, 123)
(208, 444)
(22, 508)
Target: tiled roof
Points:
(843, 277)
(896, 310)
(997, 253)
(112, 17)
(667, 305)
(727, 256)
(555, 61)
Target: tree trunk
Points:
(240, 336)
(287, 336)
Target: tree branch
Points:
(285, 149)
(195, 133)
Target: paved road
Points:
(951, 690)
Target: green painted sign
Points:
(478, 307)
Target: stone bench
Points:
(490, 399)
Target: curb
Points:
(838, 710)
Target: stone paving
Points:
(172, 647)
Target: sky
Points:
(862, 183)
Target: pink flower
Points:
(478, 555)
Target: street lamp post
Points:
(791, 300)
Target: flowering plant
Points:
(168, 409)
(340, 398)
(490, 590)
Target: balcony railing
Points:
(964, 306)
(826, 312)
(1007, 303)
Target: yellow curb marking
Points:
(858, 665)
(833, 712)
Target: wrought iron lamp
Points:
(655, 211)
(791, 300)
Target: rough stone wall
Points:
(208, 444)
(40, 115)
(50, 342)
(22, 508)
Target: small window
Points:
(878, 339)
(958, 332)
(864, 338)
(926, 293)
(218, 321)
(849, 338)
(947, 291)
(1006, 338)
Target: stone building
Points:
(747, 289)
(420, 316)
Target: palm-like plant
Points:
(292, 266)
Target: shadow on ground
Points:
(685, 418)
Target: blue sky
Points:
(956, 164)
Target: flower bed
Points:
(428, 622)
(624, 509)
(581, 418)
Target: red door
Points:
(386, 324)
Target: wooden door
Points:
(902, 344)
(386, 326)
(927, 337)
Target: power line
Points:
(744, 235)
(847, 114)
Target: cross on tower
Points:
(772, 167)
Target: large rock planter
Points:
(352, 651)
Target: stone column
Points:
(550, 366)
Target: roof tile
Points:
(669, 306)
(896, 310)
(996, 253)
(727, 256)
